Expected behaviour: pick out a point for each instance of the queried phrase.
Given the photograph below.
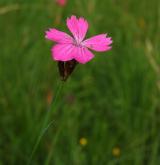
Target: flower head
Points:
(83, 141)
(61, 2)
(116, 151)
(75, 47)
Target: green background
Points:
(113, 101)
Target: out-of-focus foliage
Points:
(109, 110)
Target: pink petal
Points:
(78, 27)
(61, 2)
(83, 55)
(98, 43)
(58, 36)
(63, 52)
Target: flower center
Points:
(78, 43)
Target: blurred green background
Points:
(108, 112)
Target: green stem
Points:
(49, 157)
(45, 126)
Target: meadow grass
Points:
(112, 102)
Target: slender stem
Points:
(46, 126)
(49, 157)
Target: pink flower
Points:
(76, 48)
(61, 2)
